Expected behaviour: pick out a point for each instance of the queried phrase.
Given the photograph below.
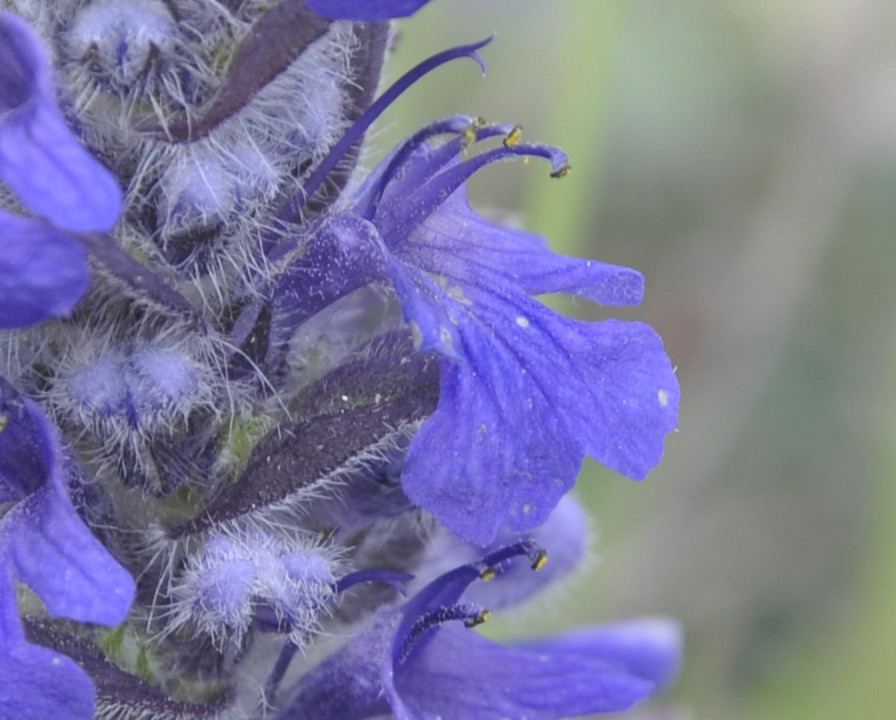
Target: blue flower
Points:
(44, 544)
(366, 10)
(417, 662)
(43, 269)
(525, 392)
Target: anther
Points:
(291, 211)
(514, 136)
(470, 134)
(561, 171)
(493, 563)
(479, 618)
(494, 560)
(470, 615)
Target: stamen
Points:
(284, 659)
(479, 618)
(436, 190)
(471, 130)
(354, 133)
(287, 653)
(471, 134)
(471, 615)
(494, 561)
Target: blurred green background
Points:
(741, 154)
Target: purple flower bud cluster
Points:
(237, 580)
(276, 434)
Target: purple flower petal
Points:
(649, 648)
(40, 158)
(433, 328)
(366, 10)
(525, 392)
(37, 682)
(43, 272)
(463, 676)
(456, 243)
(54, 553)
(24, 455)
(42, 539)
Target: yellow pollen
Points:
(514, 136)
(471, 131)
(482, 617)
(541, 559)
